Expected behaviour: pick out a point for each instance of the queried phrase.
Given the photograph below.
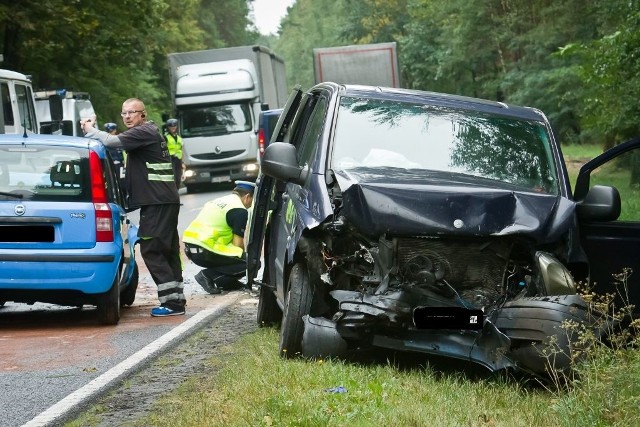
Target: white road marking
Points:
(61, 409)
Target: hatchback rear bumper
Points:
(85, 273)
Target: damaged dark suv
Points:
(426, 222)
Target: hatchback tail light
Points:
(104, 219)
(261, 141)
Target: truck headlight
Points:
(251, 167)
(188, 173)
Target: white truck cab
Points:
(17, 104)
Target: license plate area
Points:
(27, 233)
(447, 318)
(219, 179)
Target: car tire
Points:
(269, 313)
(128, 296)
(109, 304)
(530, 324)
(297, 304)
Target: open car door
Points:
(263, 196)
(612, 244)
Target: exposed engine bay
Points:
(419, 293)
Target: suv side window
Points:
(310, 128)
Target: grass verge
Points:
(255, 387)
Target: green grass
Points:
(255, 387)
(580, 151)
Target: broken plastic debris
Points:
(338, 389)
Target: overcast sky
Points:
(268, 14)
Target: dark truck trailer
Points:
(366, 64)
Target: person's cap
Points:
(245, 185)
(172, 122)
(110, 126)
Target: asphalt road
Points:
(52, 357)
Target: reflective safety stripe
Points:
(167, 285)
(156, 177)
(159, 166)
(160, 172)
(171, 291)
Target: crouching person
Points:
(215, 239)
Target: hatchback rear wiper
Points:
(16, 195)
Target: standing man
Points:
(151, 188)
(215, 239)
(174, 142)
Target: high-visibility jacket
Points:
(210, 229)
(174, 143)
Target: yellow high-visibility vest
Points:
(210, 229)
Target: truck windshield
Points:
(391, 134)
(213, 120)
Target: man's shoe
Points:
(166, 311)
(207, 284)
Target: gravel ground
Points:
(134, 397)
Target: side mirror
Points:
(602, 203)
(279, 161)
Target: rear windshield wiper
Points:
(16, 195)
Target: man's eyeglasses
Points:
(130, 113)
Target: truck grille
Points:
(214, 156)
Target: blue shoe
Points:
(166, 311)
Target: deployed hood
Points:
(412, 203)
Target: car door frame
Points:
(263, 200)
(610, 246)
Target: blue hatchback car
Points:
(64, 233)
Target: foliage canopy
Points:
(576, 60)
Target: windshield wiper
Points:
(16, 195)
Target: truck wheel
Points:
(128, 296)
(109, 304)
(192, 188)
(531, 322)
(269, 312)
(297, 304)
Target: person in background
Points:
(215, 239)
(151, 188)
(174, 142)
(117, 154)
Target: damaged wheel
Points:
(297, 304)
(539, 339)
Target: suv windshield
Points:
(374, 133)
(44, 173)
(211, 120)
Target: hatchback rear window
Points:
(44, 173)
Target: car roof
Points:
(61, 140)
(440, 99)
(272, 112)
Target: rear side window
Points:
(6, 104)
(44, 173)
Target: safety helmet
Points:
(108, 127)
(172, 122)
